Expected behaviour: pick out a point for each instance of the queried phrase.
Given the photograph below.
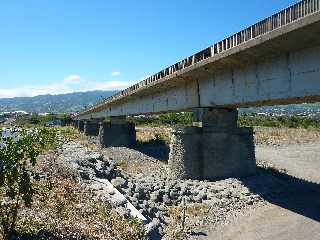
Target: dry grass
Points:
(280, 136)
(63, 209)
(193, 211)
(147, 135)
(132, 168)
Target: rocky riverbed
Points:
(173, 209)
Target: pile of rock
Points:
(154, 194)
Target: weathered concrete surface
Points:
(81, 125)
(75, 123)
(217, 149)
(228, 153)
(117, 134)
(185, 157)
(280, 66)
(91, 128)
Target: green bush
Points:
(183, 118)
(253, 120)
(19, 150)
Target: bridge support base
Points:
(117, 133)
(81, 125)
(213, 148)
(91, 128)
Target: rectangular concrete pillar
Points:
(185, 157)
(91, 128)
(117, 133)
(75, 123)
(81, 125)
(214, 148)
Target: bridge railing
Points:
(278, 20)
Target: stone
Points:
(118, 201)
(166, 199)
(118, 182)
(86, 175)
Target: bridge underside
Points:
(288, 78)
(283, 70)
(280, 67)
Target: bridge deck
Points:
(276, 37)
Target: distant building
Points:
(44, 114)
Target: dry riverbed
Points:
(75, 204)
(192, 209)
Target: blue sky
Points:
(60, 46)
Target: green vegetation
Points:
(19, 149)
(248, 120)
(183, 118)
(42, 198)
(253, 120)
(155, 139)
(39, 120)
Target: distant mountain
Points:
(70, 102)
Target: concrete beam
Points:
(291, 77)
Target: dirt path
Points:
(276, 223)
(300, 160)
(297, 215)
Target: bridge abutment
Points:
(117, 133)
(214, 147)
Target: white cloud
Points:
(72, 79)
(31, 91)
(65, 86)
(115, 73)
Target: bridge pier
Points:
(81, 125)
(117, 133)
(91, 128)
(213, 148)
(74, 123)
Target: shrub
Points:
(19, 150)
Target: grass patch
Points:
(152, 138)
(302, 122)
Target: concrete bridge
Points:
(275, 61)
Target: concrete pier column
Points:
(185, 155)
(218, 148)
(81, 125)
(117, 133)
(91, 127)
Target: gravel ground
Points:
(174, 209)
